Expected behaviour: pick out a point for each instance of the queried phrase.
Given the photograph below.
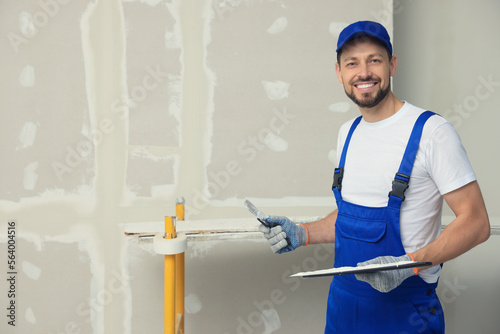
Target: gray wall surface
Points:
(113, 110)
(448, 64)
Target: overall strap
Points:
(339, 172)
(402, 178)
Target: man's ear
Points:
(337, 70)
(394, 65)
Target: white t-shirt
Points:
(373, 159)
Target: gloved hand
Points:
(285, 229)
(385, 281)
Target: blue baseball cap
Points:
(362, 29)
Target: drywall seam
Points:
(173, 40)
(127, 290)
(97, 271)
(88, 60)
(287, 201)
(196, 125)
(208, 15)
(127, 316)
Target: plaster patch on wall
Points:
(271, 320)
(162, 191)
(26, 24)
(34, 239)
(30, 176)
(152, 3)
(275, 143)
(341, 107)
(175, 92)
(27, 76)
(31, 270)
(173, 38)
(201, 249)
(332, 156)
(336, 27)
(151, 173)
(276, 90)
(30, 316)
(143, 152)
(278, 26)
(27, 135)
(193, 304)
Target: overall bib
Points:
(363, 233)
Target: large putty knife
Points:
(260, 216)
(371, 268)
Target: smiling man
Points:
(369, 86)
(397, 163)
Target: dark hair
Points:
(339, 53)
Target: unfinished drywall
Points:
(43, 87)
(112, 110)
(271, 82)
(154, 86)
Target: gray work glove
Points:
(284, 235)
(387, 280)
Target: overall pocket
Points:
(358, 239)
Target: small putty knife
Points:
(260, 216)
(257, 213)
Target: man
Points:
(397, 164)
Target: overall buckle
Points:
(338, 174)
(399, 186)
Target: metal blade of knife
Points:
(260, 217)
(256, 212)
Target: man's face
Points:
(365, 70)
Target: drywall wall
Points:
(447, 64)
(114, 109)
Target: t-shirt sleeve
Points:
(447, 160)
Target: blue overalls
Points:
(363, 233)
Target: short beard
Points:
(369, 103)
